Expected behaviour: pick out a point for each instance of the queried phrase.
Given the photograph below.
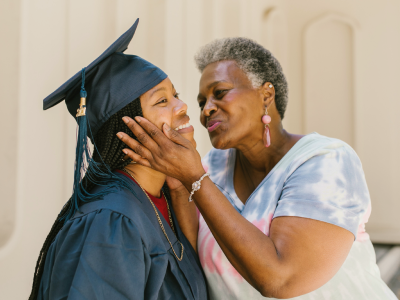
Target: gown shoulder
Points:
(93, 256)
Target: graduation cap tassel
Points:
(96, 172)
(81, 155)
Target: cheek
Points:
(243, 120)
(157, 116)
(239, 110)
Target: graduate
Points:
(117, 237)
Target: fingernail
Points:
(120, 135)
(167, 128)
(125, 119)
(138, 119)
(125, 151)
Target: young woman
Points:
(117, 237)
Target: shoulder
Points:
(120, 211)
(98, 228)
(316, 150)
(117, 211)
(327, 165)
(325, 182)
(315, 143)
(119, 200)
(120, 204)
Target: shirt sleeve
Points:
(104, 253)
(329, 186)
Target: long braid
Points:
(109, 150)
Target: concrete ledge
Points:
(389, 263)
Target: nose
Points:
(209, 108)
(180, 108)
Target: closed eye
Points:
(201, 104)
(220, 93)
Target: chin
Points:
(219, 143)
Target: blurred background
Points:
(341, 59)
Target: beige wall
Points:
(341, 59)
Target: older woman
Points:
(282, 215)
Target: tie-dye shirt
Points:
(320, 178)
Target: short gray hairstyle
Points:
(256, 61)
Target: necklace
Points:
(158, 216)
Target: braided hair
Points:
(109, 150)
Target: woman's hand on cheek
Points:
(165, 151)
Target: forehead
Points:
(226, 70)
(164, 86)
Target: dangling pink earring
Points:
(266, 119)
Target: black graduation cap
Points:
(92, 96)
(113, 80)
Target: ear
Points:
(268, 92)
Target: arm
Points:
(300, 254)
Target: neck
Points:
(261, 159)
(151, 180)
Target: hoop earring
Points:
(266, 119)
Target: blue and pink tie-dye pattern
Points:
(319, 178)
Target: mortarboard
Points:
(92, 96)
(113, 80)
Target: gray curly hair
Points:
(256, 61)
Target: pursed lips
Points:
(212, 125)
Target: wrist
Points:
(189, 180)
(197, 185)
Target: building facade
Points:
(340, 57)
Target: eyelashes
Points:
(165, 100)
(162, 101)
(218, 94)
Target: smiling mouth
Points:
(186, 125)
(213, 126)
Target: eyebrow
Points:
(157, 90)
(214, 83)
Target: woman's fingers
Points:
(143, 137)
(137, 158)
(152, 130)
(135, 145)
(174, 136)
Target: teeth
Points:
(183, 126)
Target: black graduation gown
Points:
(115, 249)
